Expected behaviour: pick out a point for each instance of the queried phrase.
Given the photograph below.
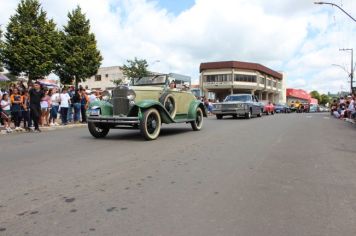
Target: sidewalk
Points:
(43, 129)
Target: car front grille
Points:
(120, 106)
(228, 106)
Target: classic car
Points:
(145, 104)
(235, 105)
(282, 108)
(268, 107)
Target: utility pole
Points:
(352, 65)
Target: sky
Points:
(295, 37)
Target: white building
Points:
(103, 80)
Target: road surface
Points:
(288, 174)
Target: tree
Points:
(324, 99)
(117, 82)
(135, 68)
(1, 51)
(315, 94)
(79, 57)
(31, 41)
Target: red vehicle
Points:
(268, 107)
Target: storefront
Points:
(234, 77)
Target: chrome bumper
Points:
(230, 112)
(117, 120)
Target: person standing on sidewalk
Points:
(55, 99)
(76, 105)
(36, 94)
(71, 93)
(25, 110)
(65, 102)
(5, 112)
(16, 105)
(84, 104)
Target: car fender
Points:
(147, 104)
(193, 108)
(106, 108)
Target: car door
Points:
(254, 105)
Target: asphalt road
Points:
(291, 174)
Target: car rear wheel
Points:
(198, 123)
(234, 116)
(260, 114)
(219, 117)
(150, 124)
(98, 131)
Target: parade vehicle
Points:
(268, 107)
(246, 105)
(282, 108)
(145, 104)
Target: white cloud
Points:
(295, 36)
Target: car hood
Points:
(233, 102)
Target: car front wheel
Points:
(198, 123)
(150, 124)
(248, 115)
(98, 131)
(219, 117)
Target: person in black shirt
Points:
(35, 104)
(76, 104)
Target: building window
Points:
(275, 84)
(246, 78)
(269, 82)
(97, 77)
(218, 78)
(262, 80)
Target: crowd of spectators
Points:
(34, 106)
(344, 108)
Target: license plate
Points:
(95, 112)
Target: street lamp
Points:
(352, 65)
(334, 5)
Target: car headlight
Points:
(131, 95)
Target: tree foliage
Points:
(315, 94)
(324, 99)
(31, 41)
(136, 68)
(79, 57)
(1, 51)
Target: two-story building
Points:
(233, 77)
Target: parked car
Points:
(268, 107)
(314, 108)
(282, 108)
(145, 104)
(245, 105)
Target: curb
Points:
(45, 129)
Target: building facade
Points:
(104, 78)
(233, 77)
(298, 95)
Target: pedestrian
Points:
(45, 107)
(16, 105)
(36, 94)
(5, 112)
(84, 104)
(25, 110)
(71, 93)
(76, 100)
(55, 100)
(65, 102)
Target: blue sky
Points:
(176, 6)
(296, 37)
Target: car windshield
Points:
(238, 98)
(150, 80)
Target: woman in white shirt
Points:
(5, 112)
(55, 99)
(65, 101)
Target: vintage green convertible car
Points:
(145, 104)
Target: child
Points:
(5, 112)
